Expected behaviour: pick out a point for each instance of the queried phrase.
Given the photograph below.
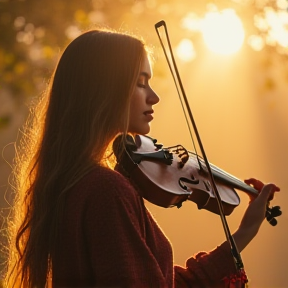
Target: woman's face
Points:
(142, 101)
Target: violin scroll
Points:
(271, 213)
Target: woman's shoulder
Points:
(103, 191)
(104, 183)
(103, 174)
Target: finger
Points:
(257, 184)
(267, 192)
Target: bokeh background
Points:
(232, 57)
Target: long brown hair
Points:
(71, 128)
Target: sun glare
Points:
(185, 50)
(223, 31)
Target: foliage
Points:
(33, 32)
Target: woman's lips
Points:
(149, 115)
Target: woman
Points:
(79, 221)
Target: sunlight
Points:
(277, 23)
(185, 50)
(273, 28)
(223, 31)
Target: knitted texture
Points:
(107, 238)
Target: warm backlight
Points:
(223, 31)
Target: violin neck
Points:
(229, 179)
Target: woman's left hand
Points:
(255, 212)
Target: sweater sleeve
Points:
(115, 235)
(206, 269)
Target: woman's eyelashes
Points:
(142, 81)
(141, 85)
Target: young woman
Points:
(77, 220)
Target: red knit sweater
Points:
(109, 239)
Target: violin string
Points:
(225, 176)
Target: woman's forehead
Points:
(146, 67)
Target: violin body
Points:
(161, 177)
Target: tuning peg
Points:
(270, 218)
(275, 211)
(273, 221)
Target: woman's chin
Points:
(139, 130)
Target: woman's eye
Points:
(141, 85)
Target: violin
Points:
(169, 176)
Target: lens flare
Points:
(185, 50)
(223, 32)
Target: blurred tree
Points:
(33, 32)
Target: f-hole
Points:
(182, 182)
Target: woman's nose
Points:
(153, 98)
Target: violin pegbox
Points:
(271, 213)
